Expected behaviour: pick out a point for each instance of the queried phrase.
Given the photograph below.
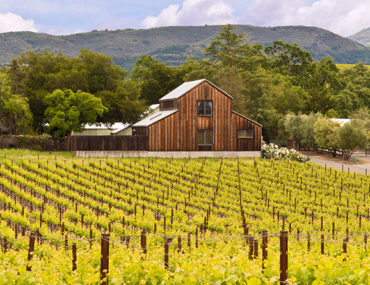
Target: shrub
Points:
(274, 151)
(33, 142)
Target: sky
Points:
(343, 17)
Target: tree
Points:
(66, 111)
(123, 103)
(322, 85)
(361, 118)
(293, 125)
(15, 114)
(35, 75)
(228, 78)
(347, 102)
(231, 81)
(357, 81)
(100, 71)
(289, 59)
(326, 134)
(350, 137)
(301, 128)
(231, 49)
(198, 69)
(308, 130)
(154, 78)
(287, 97)
(227, 46)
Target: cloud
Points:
(339, 16)
(192, 13)
(13, 22)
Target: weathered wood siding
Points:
(241, 123)
(140, 131)
(107, 143)
(163, 135)
(179, 130)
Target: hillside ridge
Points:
(362, 37)
(173, 45)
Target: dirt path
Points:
(363, 167)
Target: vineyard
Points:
(181, 221)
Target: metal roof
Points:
(123, 127)
(341, 122)
(154, 118)
(103, 126)
(245, 117)
(186, 87)
(154, 108)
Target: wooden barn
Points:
(198, 116)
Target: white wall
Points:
(169, 154)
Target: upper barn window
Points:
(205, 108)
(168, 105)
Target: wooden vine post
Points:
(283, 256)
(167, 242)
(250, 242)
(5, 244)
(104, 263)
(74, 256)
(31, 250)
(143, 241)
(255, 248)
(196, 237)
(66, 242)
(322, 244)
(264, 248)
(308, 242)
(179, 244)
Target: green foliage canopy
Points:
(155, 79)
(289, 59)
(34, 75)
(15, 114)
(66, 111)
(350, 137)
(266, 83)
(326, 134)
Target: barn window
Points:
(205, 137)
(168, 105)
(245, 134)
(205, 108)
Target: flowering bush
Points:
(274, 151)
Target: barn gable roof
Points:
(154, 118)
(185, 88)
(246, 118)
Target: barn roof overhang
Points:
(154, 118)
(245, 117)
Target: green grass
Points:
(343, 67)
(16, 154)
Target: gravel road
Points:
(363, 168)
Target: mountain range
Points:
(363, 37)
(173, 45)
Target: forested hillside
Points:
(362, 37)
(44, 92)
(172, 45)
